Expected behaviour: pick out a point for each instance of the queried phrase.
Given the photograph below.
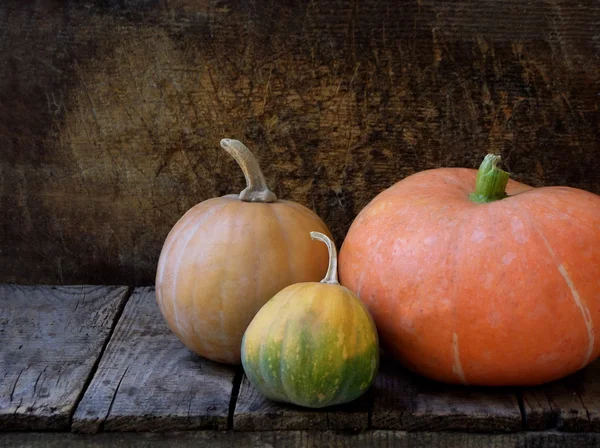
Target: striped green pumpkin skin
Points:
(312, 345)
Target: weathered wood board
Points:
(147, 380)
(537, 409)
(50, 340)
(570, 404)
(438, 407)
(111, 111)
(402, 400)
(398, 400)
(302, 439)
(392, 395)
(253, 412)
(56, 361)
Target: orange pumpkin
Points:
(497, 287)
(226, 257)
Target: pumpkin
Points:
(496, 286)
(313, 344)
(227, 256)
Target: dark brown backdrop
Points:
(111, 111)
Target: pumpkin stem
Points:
(332, 275)
(491, 181)
(256, 186)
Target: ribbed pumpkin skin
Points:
(224, 259)
(503, 293)
(313, 345)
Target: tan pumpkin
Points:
(226, 257)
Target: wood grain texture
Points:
(571, 404)
(253, 412)
(406, 401)
(437, 407)
(111, 111)
(50, 341)
(302, 439)
(537, 409)
(392, 395)
(352, 416)
(147, 380)
(398, 399)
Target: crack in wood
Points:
(190, 399)
(18, 406)
(38, 379)
(173, 388)
(587, 412)
(12, 392)
(522, 409)
(112, 401)
(45, 347)
(237, 381)
(116, 319)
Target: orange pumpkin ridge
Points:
(499, 289)
(585, 312)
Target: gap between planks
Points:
(147, 380)
(116, 320)
(237, 382)
(52, 338)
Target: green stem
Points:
(256, 186)
(491, 181)
(332, 276)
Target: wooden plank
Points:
(537, 409)
(51, 338)
(567, 405)
(401, 400)
(113, 131)
(147, 380)
(392, 394)
(440, 407)
(576, 400)
(352, 416)
(589, 392)
(253, 412)
(301, 439)
(406, 401)
(572, 404)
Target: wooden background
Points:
(111, 111)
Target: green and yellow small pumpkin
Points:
(313, 344)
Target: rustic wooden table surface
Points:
(97, 366)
